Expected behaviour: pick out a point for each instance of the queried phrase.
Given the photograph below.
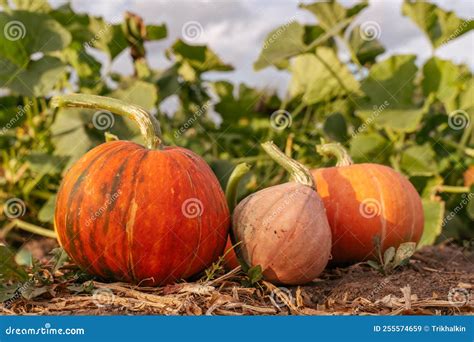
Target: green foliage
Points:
(439, 26)
(392, 258)
(321, 77)
(10, 269)
(365, 50)
(392, 111)
(330, 13)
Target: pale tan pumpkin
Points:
(284, 228)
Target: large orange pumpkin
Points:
(365, 203)
(151, 215)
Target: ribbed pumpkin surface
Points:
(130, 213)
(367, 200)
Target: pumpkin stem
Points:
(298, 171)
(335, 150)
(231, 195)
(149, 126)
(233, 182)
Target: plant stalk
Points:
(32, 228)
(231, 189)
(452, 189)
(298, 171)
(149, 126)
(335, 150)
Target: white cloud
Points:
(236, 30)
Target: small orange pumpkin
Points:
(364, 202)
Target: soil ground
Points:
(437, 280)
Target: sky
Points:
(236, 29)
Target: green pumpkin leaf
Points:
(370, 147)
(419, 160)
(365, 48)
(388, 256)
(11, 112)
(392, 80)
(434, 212)
(426, 185)
(46, 213)
(222, 169)
(255, 274)
(136, 92)
(198, 57)
(78, 25)
(330, 13)
(44, 163)
(168, 82)
(232, 107)
(9, 269)
(321, 77)
(284, 42)
(87, 67)
(70, 136)
(400, 120)
(389, 90)
(140, 93)
(404, 252)
(466, 98)
(107, 37)
(374, 264)
(37, 78)
(156, 32)
(39, 6)
(335, 127)
(24, 258)
(441, 78)
(440, 26)
(25, 33)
